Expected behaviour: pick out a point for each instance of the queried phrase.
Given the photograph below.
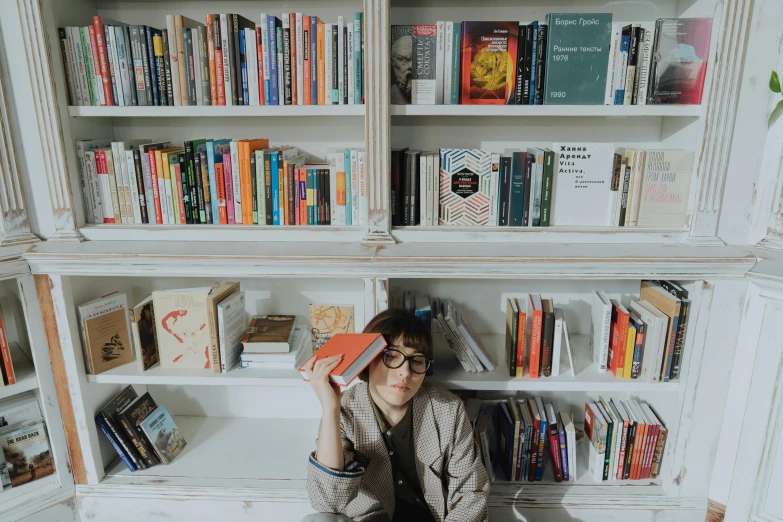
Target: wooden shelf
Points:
(450, 373)
(207, 111)
(26, 379)
(570, 111)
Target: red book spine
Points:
(652, 439)
(155, 189)
(619, 340)
(100, 43)
(178, 181)
(260, 53)
(307, 80)
(221, 194)
(227, 174)
(103, 176)
(535, 343)
(638, 450)
(521, 331)
(9, 367)
(554, 446)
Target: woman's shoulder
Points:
(439, 395)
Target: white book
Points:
(568, 347)
(340, 61)
(170, 188)
(423, 192)
(614, 56)
(265, 57)
(232, 323)
(130, 164)
(163, 196)
(234, 146)
(620, 72)
(97, 79)
(635, 194)
(328, 62)
(450, 316)
(536, 196)
(88, 182)
(362, 189)
(119, 182)
(336, 161)
(299, 59)
(81, 67)
(351, 68)
(128, 168)
(252, 67)
(126, 66)
(355, 187)
(619, 410)
(583, 184)
(645, 60)
(75, 95)
(114, 62)
(568, 427)
(448, 53)
(494, 199)
(601, 326)
(474, 342)
(108, 202)
(96, 189)
(174, 60)
(557, 342)
(595, 463)
(440, 69)
(224, 44)
(196, 66)
(654, 346)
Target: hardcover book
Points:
(142, 318)
(424, 68)
(465, 177)
(583, 178)
(163, 434)
(679, 60)
(358, 351)
(269, 334)
(328, 320)
(576, 57)
(26, 452)
(666, 186)
(129, 419)
(401, 64)
(489, 63)
(106, 333)
(231, 323)
(181, 324)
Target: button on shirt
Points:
(410, 505)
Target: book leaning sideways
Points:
(358, 351)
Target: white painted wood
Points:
(457, 234)
(60, 509)
(567, 111)
(223, 233)
(277, 111)
(129, 374)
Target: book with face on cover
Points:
(358, 350)
(142, 318)
(106, 333)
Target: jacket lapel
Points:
(429, 455)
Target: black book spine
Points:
(234, 63)
(395, 187)
(167, 68)
(268, 189)
(652, 82)
(629, 450)
(327, 197)
(547, 337)
(151, 71)
(335, 69)
(608, 452)
(411, 167)
(131, 64)
(679, 342)
(526, 84)
(344, 72)
(191, 173)
(529, 166)
(519, 88)
(633, 60)
(184, 179)
(120, 437)
(624, 196)
(206, 195)
(505, 190)
(639, 62)
(139, 173)
(540, 64)
(139, 442)
(191, 68)
(287, 66)
(160, 72)
(636, 364)
(617, 169)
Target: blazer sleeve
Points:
(330, 490)
(468, 485)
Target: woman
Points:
(393, 448)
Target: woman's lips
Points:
(400, 387)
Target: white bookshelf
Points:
(281, 111)
(545, 111)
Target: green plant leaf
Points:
(777, 113)
(774, 82)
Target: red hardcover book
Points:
(358, 350)
(537, 316)
(260, 67)
(638, 450)
(220, 183)
(228, 175)
(178, 188)
(652, 439)
(100, 43)
(103, 175)
(306, 77)
(8, 367)
(155, 189)
(619, 339)
(489, 57)
(531, 474)
(521, 332)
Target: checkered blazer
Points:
(453, 479)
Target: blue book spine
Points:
(425, 314)
(275, 190)
(533, 57)
(348, 192)
(357, 59)
(456, 58)
(106, 431)
(314, 59)
(212, 181)
(619, 94)
(563, 453)
(243, 64)
(310, 209)
(271, 31)
(542, 433)
(153, 71)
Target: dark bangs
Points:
(400, 326)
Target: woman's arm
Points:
(330, 448)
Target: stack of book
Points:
(220, 182)
(227, 60)
(627, 440)
(514, 435)
(570, 59)
(569, 184)
(275, 342)
(141, 432)
(534, 326)
(646, 340)
(26, 454)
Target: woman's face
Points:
(395, 386)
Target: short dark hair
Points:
(399, 325)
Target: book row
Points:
(26, 454)
(220, 182)
(142, 432)
(227, 60)
(571, 184)
(645, 340)
(570, 59)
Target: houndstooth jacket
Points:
(453, 479)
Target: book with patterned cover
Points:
(464, 186)
(327, 320)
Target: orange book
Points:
(292, 22)
(321, 64)
(537, 318)
(521, 331)
(306, 76)
(247, 147)
(640, 454)
(211, 57)
(358, 350)
(619, 339)
(221, 193)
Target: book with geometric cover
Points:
(489, 63)
(464, 186)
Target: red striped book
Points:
(103, 60)
(620, 317)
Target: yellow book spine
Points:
(629, 348)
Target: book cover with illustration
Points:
(26, 451)
(142, 318)
(680, 55)
(464, 186)
(164, 435)
(269, 334)
(666, 187)
(489, 58)
(401, 64)
(182, 326)
(105, 329)
(327, 320)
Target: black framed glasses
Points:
(394, 359)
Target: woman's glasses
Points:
(394, 359)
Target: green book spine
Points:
(576, 57)
(183, 173)
(358, 64)
(88, 65)
(254, 192)
(456, 58)
(549, 172)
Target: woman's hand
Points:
(328, 393)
